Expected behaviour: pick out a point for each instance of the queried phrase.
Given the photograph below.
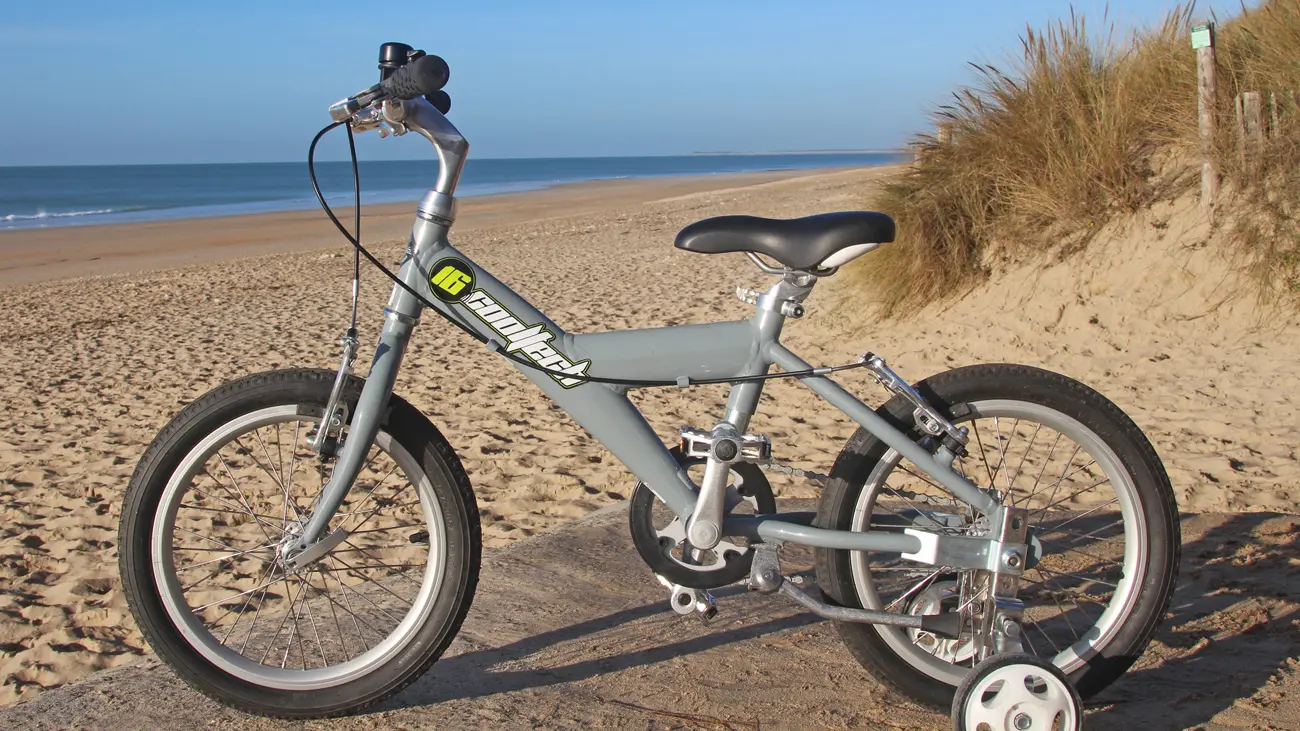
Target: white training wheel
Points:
(1016, 692)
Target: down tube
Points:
(604, 411)
(836, 396)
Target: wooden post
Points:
(1206, 93)
(1252, 118)
(1241, 131)
(944, 133)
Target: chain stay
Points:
(820, 480)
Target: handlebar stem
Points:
(452, 147)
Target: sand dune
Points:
(97, 365)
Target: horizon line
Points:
(710, 153)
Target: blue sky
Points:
(134, 81)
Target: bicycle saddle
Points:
(822, 241)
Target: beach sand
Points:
(95, 366)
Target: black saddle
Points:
(798, 243)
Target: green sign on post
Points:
(1202, 36)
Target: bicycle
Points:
(949, 575)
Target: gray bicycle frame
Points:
(680, 353)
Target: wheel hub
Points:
(288, 547)
(940, 597)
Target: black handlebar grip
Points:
(425, 75)
(440, 101)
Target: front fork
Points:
(372, 405)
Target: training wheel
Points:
(1016, 692)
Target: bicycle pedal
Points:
(684, 600)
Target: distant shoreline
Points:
(42, 254)
(895, 151)
(42, 198)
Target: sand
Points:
(97, 365)
(530, 657)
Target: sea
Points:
(45, 197)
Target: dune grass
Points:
(1082, 126)
(1260, 51)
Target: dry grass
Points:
(1081, 127)
(1260, 51)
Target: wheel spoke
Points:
(277, 479)
(1076, 577)
(1056, 485)
(1002, 454)
(192, 506)
(1067, 498)
(381, 530)
(355, 618)
(246, 592)
(1038, 479)
(200, 536)
(1020, 465)
(312, 619)
(289, 502)
(917, 588)
(242, 498)
(356, 510)
(916, 508)
(975, 426)
(1081, 552)
(367, 599)
(293, 632)
(343, 641)
(261, 602)
(368, 555)
(266, 570)
(1056, 649)
(355, 571)
(1106, 504)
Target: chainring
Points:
(665, 548)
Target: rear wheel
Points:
(1099, 503)
(229, 483)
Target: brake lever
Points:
(373, 117)
(394, 114)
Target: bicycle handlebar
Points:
(425, 75)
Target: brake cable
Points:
(360, 251)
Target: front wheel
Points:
(229, 483)
(1099, 503)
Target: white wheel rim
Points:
(1089, 642)
(1020, 697)
(202, 639)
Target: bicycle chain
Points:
(820, 480)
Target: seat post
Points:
(784, 299)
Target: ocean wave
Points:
(41, 214)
